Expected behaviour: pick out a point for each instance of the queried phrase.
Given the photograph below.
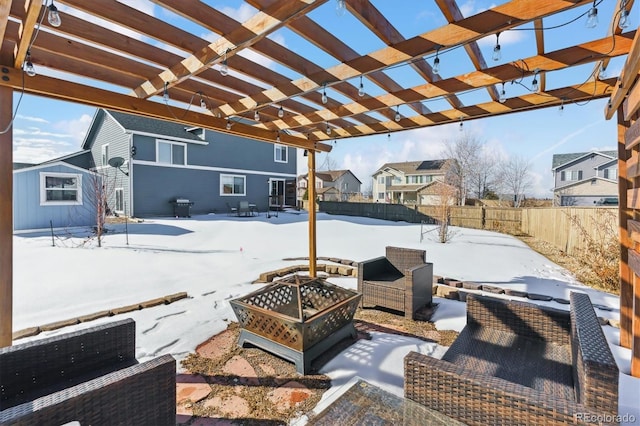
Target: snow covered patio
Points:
(215, 258)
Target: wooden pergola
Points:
(109, 55)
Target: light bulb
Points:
(534, 84)
(228, 124)
(29, 69)
(602, 74)
(397, 117)
(497, 53)
(203, 104)
(224, 68)
(280, 112)
(278, 137)
(624, 23)
(328, 129)
(436, 65)
(341, 7)
(592, 18)
(324, 97)
(165, 95)
(53, 16)
(561, 108)
(256, 116)
(503, 96)
(361, 88)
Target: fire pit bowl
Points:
(297, 318)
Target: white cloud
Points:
(77, 128)
(243, 13)
(506, 38)
(31, 118)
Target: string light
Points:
(165, 95)
(278, 136)
(561, 109)
(324, 94)
(398, 117)
(280, 112)
(535, 87)
(341, 7)
(436, 62)
(461, 124)
(602, 73)
(503, 95)
(203, 104)
(497, 53)
(54, 17)
(361, 89)
(256, 116)
(328, 128)
(28, 67)
(224, 68)
(592, 16)
(228, 125)
(623, 22)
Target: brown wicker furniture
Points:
(519, 363)
(297, 318)
(400, 281)
(89, 376)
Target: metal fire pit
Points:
(297, 318)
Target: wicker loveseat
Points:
(401, 281)
(518, 363)
(89, 376)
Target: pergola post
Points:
(629, 230)
(311, 186)
(6, 217)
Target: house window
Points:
(60, 189)
(570, 175)
(318, 184)
(120, 200)
(232, 185)
(397, 181)
(611, 174)
(380, 195)
(280, 153)
(105, 154)
(303, 184)
(381, 180)
(171, 153)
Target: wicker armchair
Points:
(89, 376)
(401, 281)
(519, 363)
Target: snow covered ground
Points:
(214, 258)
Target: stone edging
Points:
(341, 268)
(34, 331)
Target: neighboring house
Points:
(344, 183)
(164, 161)
(407, 182)
(585, 178)
(56, 194)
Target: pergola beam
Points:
(500, 18)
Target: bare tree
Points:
(516, 174)
(484, 176)
(465, 153)
(329, 163)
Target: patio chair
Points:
(244, 209)
(401, 281)
(231, 210)
(89, 376)
(520, 363)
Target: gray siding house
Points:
(585, 178)
(163, 161)
(54, 194)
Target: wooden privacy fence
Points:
(567, 228)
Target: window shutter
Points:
(580, 175)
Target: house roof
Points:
(330, 175)
(415, 167)
(140, 124)
(560, 160)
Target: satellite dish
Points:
(116, 162)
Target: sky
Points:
(215, 258)
(45, 129)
